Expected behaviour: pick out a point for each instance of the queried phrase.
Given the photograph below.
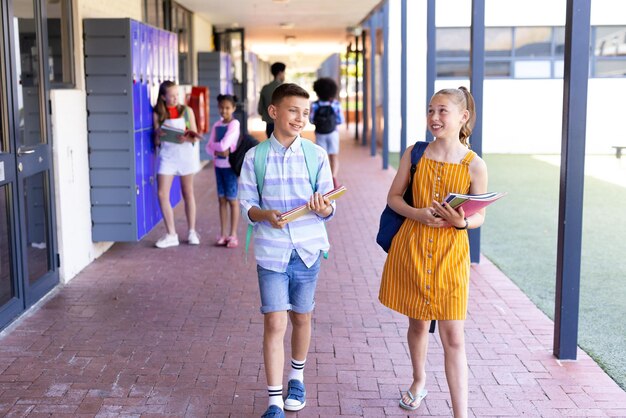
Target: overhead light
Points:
(290, 39)
(286, 25)
(280, 1)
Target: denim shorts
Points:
(226, 182)
(293, 290)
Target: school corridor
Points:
(143, 332)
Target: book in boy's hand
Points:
(472, 203)
(295, 213)
(170, 134)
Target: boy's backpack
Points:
(325, 119)
(260, 164)
(235, 158)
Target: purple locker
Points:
(153, 214)
(135, 57)
(139, 188)
(145, 87)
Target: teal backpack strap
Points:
(310, 158)
(260, 164)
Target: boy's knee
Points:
(275, 322)
(300, 319)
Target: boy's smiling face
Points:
(290, 117)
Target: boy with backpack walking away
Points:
(326, 114)
(279, 174)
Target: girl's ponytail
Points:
(466, 129)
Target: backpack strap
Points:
(260, 165)
(310, 159)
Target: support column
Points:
(575, 81)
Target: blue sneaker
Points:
(273, 412)
(296, 395)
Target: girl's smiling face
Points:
(445, 117)
(226, 109)
(171, 96)
(290, 116)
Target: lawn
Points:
(520, 237)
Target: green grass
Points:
(520, 237)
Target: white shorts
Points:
(179, 159)
(330, 142)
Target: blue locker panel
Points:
(155, 57)
(149, 181)
(135, 36)
(139, 187)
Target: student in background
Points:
(265, 99)
(222, 141)
(426, 274)
(176, 159)
(287, 256)
(326, 114)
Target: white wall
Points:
(202, 41)
(71, 179)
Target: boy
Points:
(287, 255)
(265, 97)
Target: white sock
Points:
(297, 370)
(275, 396)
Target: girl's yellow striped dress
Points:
(426, 275)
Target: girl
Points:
(426, 274)
(223, 140)
(326, 133)
(176, 159)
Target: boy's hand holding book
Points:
(320, 205)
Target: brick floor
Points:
(177, 332)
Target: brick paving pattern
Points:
(144, 332)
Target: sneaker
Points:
(193, 238)
(296, 395)
(273, 411)
(167, 240)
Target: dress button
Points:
(427, 303)
(430, 240)
(428, 271)
(436, 194)
(430, 256)
(427, 287)
(438, 178)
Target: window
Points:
(60, 57)
(609, 51)
(181, 25)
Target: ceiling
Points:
(320, 27)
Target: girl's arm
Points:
(230, 137)
(157, 129)
(338, 112)
(395, 197)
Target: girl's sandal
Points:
(232, 242)
(221, 240)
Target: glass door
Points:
(26, 154)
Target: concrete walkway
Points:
(177, 332)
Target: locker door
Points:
(139, 188)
